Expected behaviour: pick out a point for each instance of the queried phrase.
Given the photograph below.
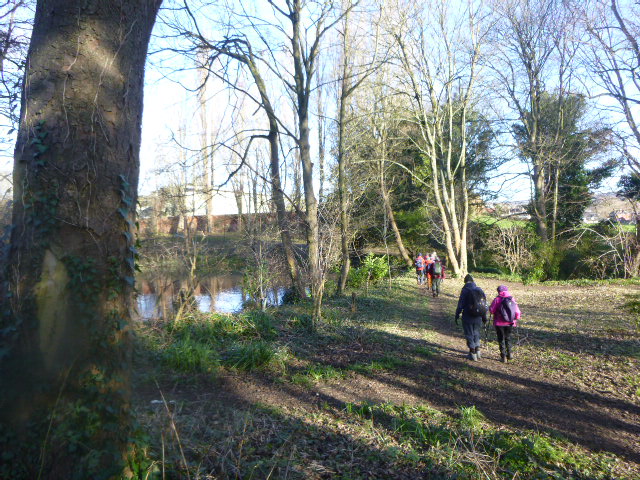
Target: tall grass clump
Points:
(200, 342)
(191, 356)
(253, 355)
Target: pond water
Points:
(220, 293)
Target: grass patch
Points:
(468, 447)
(190, 356)
(387, 362)
(562, 360)
(316, 374)
(364, 441)
(201, 343)
(424, 351)
(253, 355)
(302, 439)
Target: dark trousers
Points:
(435, 285)
(472, 328)
(504, 333)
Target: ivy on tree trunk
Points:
(67, 284)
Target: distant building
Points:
(192, 201)
(591, 216)
(624, 217)
(516, 210)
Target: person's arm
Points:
(484, 316)
(494, 305)
(461, 303)
(518, 314)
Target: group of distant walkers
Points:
(430, 269)
(472, 306)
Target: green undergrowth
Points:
(319, 373)
(201, 343)
(576, 282)
(360, 441)
(467, 446)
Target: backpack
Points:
(478, 303)
(420, 262)
(436, 269)
(507, 310)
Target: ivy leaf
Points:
(131, 262)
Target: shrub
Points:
(372, 270)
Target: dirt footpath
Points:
(575, 369)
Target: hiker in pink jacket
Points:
(506, 314)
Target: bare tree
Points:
(304, 55)
(511, 244)
(613, 57)
(439, 79)
(535, 54)
(291, 58)
(384, 119)
(238, 47)
(353, 71)
(206, 146)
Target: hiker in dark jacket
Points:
(472, 320)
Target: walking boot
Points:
(472, 356)
(478, 354)
(503, 357)
(508, 352)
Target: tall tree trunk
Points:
(342, 196)
(283, 221)
(277, 192)
(540, 202)
(556, 195)
(304, 64)
(345, 90)
(205, 149)
(321, 142)
(387, 205)
(238, 193)
(311, 218)
(69, 277)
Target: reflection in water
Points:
(222, 294)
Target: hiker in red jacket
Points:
(506, 314)
(428, 260)
(436, 270)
